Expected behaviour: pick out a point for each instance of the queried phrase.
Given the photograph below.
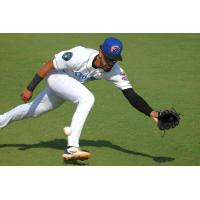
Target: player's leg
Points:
(44, 102)
(70, 89)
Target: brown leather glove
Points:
(26, 95)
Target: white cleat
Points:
(75, 153)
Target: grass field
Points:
(164, 70)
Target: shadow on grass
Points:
(60, 144)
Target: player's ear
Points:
(100, 52)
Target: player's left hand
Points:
(154, 116)
(26, 95)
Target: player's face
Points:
(106, 63)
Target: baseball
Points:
(67, 131)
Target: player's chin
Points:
(107, 68)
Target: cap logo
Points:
(115, 49)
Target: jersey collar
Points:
(90, 60)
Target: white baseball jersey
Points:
(77, 63)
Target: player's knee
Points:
(36, 114)
(91, 99)
(88, 99)
(33, 111)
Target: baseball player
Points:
(65, 76)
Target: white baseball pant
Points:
(60, 88)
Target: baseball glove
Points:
(168, 119)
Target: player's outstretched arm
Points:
(42, 73)
(140, 104)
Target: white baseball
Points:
(67, 131)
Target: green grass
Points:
(164, 70)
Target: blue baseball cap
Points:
(112, 48)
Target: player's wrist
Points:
(32, 85)
(154, 114)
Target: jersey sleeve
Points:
(59, 62)
(65, 59)
(118, 77)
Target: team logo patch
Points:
(123, 76)
(115, 49)
(67, 56)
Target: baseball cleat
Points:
(75, 153)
